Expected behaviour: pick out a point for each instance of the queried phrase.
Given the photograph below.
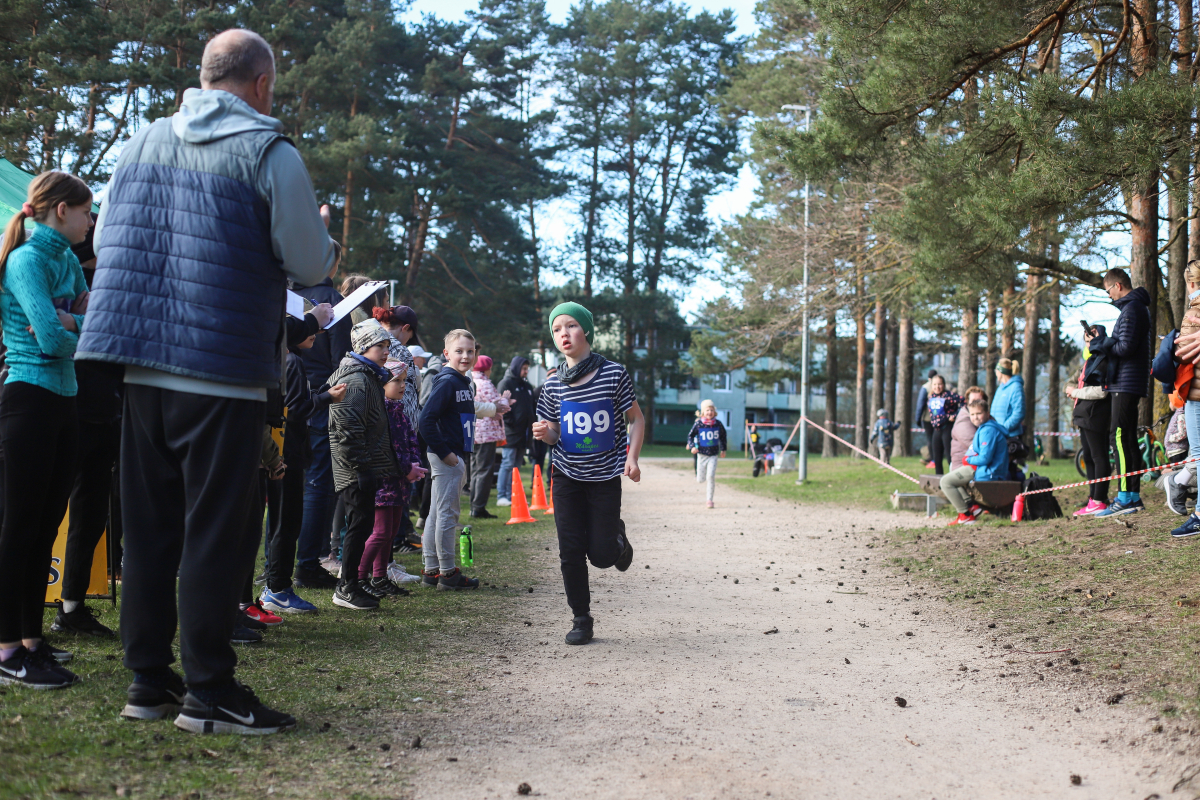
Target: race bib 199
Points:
(587, 427)
(468, 428)
(708, 437)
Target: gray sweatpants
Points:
(953, 483)
(706, 470)
(440, 539)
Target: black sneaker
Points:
(44, 657)
(483, 513)
(261, 579)
(60, 655)
(429, 579)
(81, 620)
(581, 630)
(244, 620)
(454, 580)
(313, 579)
(237, 711)
(626, 556)
(351, 595)
(24, 670)
(243, 635)
(143, 701)
(383, 587)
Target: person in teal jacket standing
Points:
(1008, 406)
(42, 304)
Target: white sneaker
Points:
(420, 524)
(397, 574)
(504, 502)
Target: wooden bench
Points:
(992, 495)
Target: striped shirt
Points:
(591, 417)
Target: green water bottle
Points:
(465, 549)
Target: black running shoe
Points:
(581, 630)
(406, 548)
(351, 595)
(44, 657)
(454, 580)
(143, 701)
(243, 635)
(237, 711)
(429, 579)
(483, 513)
(60, 655)
(314, 579)
(32, 673)
(383, 587)
(244, 620)
(82, 620)
(626, 556)
(261, 579)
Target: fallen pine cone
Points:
(900, 701)
(1076, 780)
(524, 788)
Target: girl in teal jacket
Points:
(41, 311)
(1008, 407)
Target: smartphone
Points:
(1087, 329)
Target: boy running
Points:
(582, 412)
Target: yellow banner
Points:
(98, 585)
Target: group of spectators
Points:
(151, 343)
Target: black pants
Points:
(98, 446)
(39, 430)
(254, 533)
(1094, 445)
(189, 466)
(482, 459)
(1123, 431)
(285, 517)
(939, 446)
(588, 517)
(359, 504)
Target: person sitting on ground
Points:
(883, 431)
(707, 442)
(986, 460)
(964, 430)
(362, 452)
(943, 406)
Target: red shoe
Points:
(964, 519)
(977, 511)
(255, 611)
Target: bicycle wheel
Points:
(1080, 464)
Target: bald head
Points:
(240, 62)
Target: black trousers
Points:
(1123, 435)
(939, 446)
(1094, 445)
(189, 467)
(254, 533)
(39, 431)
(482, 459)
(285, 518)
(98, 446)
(359, 503)
(587, 515)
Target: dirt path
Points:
(683, 695)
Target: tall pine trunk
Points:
(878, 359)
(1008, 317)
(968, 353)
(828, 444)
(1054, 363)
(1177, 252)
(860, 369)
(989, 363)
(904, 382)
(889, 374)
(1029, 360)
(1143, 205)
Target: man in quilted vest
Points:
(207, 215)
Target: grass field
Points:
(346, 676)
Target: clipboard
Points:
(298, 306)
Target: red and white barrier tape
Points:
(1109, 478)
(864, 452)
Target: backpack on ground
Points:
(1040, 506)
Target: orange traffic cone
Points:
(550, 507)
(520, 509)
(539, 493)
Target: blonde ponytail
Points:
(45, 192)
(1008, 366)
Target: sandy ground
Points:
(688, 691)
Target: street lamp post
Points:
(802, 461)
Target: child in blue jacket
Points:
(986, 460)
(707, 442)
(882, 430)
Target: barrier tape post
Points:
(855, 449)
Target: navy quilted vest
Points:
(186, 280)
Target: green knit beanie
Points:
(580, 314)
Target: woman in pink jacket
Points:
(489, 431)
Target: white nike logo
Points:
(249, 720)
(20, 674)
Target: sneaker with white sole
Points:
(504, 501)
(22, 669)
(398, 574)
(1092, 507)
(235, 711)
(146, 700)
(1188, 529)
(351, 595)
(286, 602)
(1177, 497)
(1118, 508)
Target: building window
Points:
(691, 383)
(639, 339)
(721, 382)
(785, 386)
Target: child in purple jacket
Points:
(394, 492)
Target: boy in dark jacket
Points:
(1128, 352)
(360, 444)
(448, 428)
(301, 402)
(516, 424)
(883, 431)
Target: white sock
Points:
(70, 605)
(1183, 477)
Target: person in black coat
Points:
(1092, 414)
(1128, 354)
(516, 424)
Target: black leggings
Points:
(1094, 445)
(39, 430)
(99, 443)
(939, 446)
(587, 515)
